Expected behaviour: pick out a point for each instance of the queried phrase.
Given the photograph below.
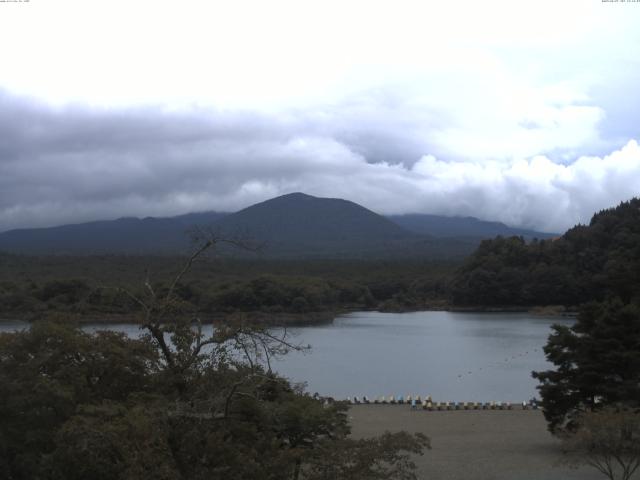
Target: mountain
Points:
(124, 235)
(440, 226)
(301, 224)
(293, 225)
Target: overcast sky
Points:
(527, 112)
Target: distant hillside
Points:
(441, 226)
(125, 235)
(294, 225)
(587, 263)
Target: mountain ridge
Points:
(294, 224)
(445, 226)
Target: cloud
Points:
(75, 163)
(534, 192)
(520, 112)
(467, 81)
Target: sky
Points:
(523, 112)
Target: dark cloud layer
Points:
(75, 163)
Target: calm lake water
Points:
(450, 356)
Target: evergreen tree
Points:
(597, 363)
(587, 263)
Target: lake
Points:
(450, 356)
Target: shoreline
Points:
(270, 319)
(286, 319)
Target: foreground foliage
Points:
(174, 404)
(103, 406)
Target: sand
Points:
(475, 444)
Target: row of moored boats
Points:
(427, 403)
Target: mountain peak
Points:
(294, 195)
(287, 197)
(297, 221)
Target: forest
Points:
(85, 286)
(589, 262)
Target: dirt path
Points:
(475, 444)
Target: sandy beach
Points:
(475, 444)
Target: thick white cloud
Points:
(474, 80)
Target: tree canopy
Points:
(174, 404)
(587, 263)
(597, 364)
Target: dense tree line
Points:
(232, 286)
(589, 262)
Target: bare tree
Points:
(179, 335)
(608, 440)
